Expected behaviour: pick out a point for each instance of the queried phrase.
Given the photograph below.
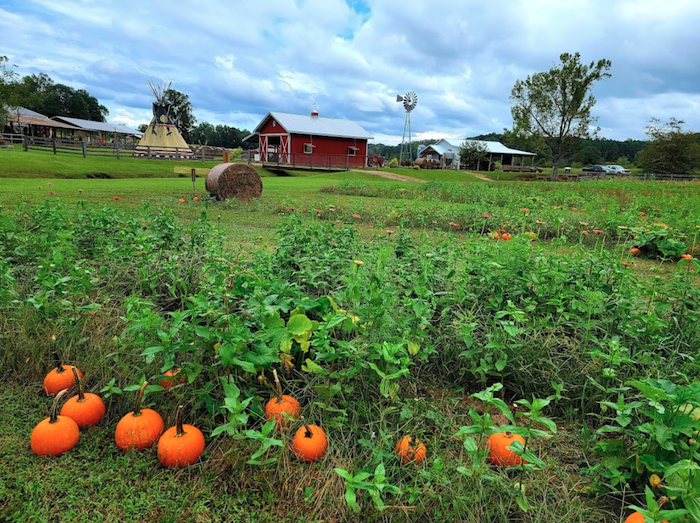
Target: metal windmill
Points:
(410, 99)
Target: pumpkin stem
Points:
(53, 415)
(81, 394)
(662, 501)
(308, 433)
(59, 367)
(508, 434)
(278, 385)
(139, 399)
(178, 423)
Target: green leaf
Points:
(299, 324)
(245, 365)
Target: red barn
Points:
(296, 140)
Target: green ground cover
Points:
(388, 310)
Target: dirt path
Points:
(391, 176)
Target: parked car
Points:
(617, 169)
(597, 169)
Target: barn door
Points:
(284, 149)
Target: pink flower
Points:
(116, 198)
(486, 216)
(49, 183)
(598, 231)
(292, 208)
(356, 216)
(627, 264)
(52, 192)
(318, 211)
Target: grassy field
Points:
(388, 309)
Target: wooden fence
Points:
(120, 149)
(314, 162)
(11, 137)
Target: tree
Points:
(671, 149)
(556, 105)
(7, 76)
(181, 113)
(471, 152)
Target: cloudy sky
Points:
(238, 60)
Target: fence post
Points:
(149, 152)
(202, 154)
(84, 148)
(53, 144)
(117, 149)
(25, 143)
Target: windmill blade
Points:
(399, 98)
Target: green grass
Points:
(445, 175)
(463, 299)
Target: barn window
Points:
(308, 148)
(351, 151)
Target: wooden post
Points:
(53, 144)
(25, 143)
(84, 148)
(227, 156)
(194, 178)
(117, 149)
(202, 151)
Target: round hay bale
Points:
(234, 180)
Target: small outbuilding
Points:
(310, 141)
(447, 155)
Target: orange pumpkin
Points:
(173, 378)
(56, 434)
(139, 429)
(634, 251)
(181, 445)
(309, 443)
(408, 452)
(282, 407)
(60, 377)
(86, 408)
(636, 517)
(687, 256)
(499, 454)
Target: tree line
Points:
(39, 93)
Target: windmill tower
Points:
(410, 99)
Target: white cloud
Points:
(237, 61)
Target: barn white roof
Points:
(443, 146)
(89, 125)
(316, 125)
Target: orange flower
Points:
(116, 198)
(585, 233)
(181, 200)
(525, 210)
(318, 211)
(642, 213)
(687, 256)
(195, 199)
(356, 216)
(634, 251)
(628, 264)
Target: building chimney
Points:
(314, 112)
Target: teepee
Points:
(162, 138)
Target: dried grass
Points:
(234, 180)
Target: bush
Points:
(394, 163)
